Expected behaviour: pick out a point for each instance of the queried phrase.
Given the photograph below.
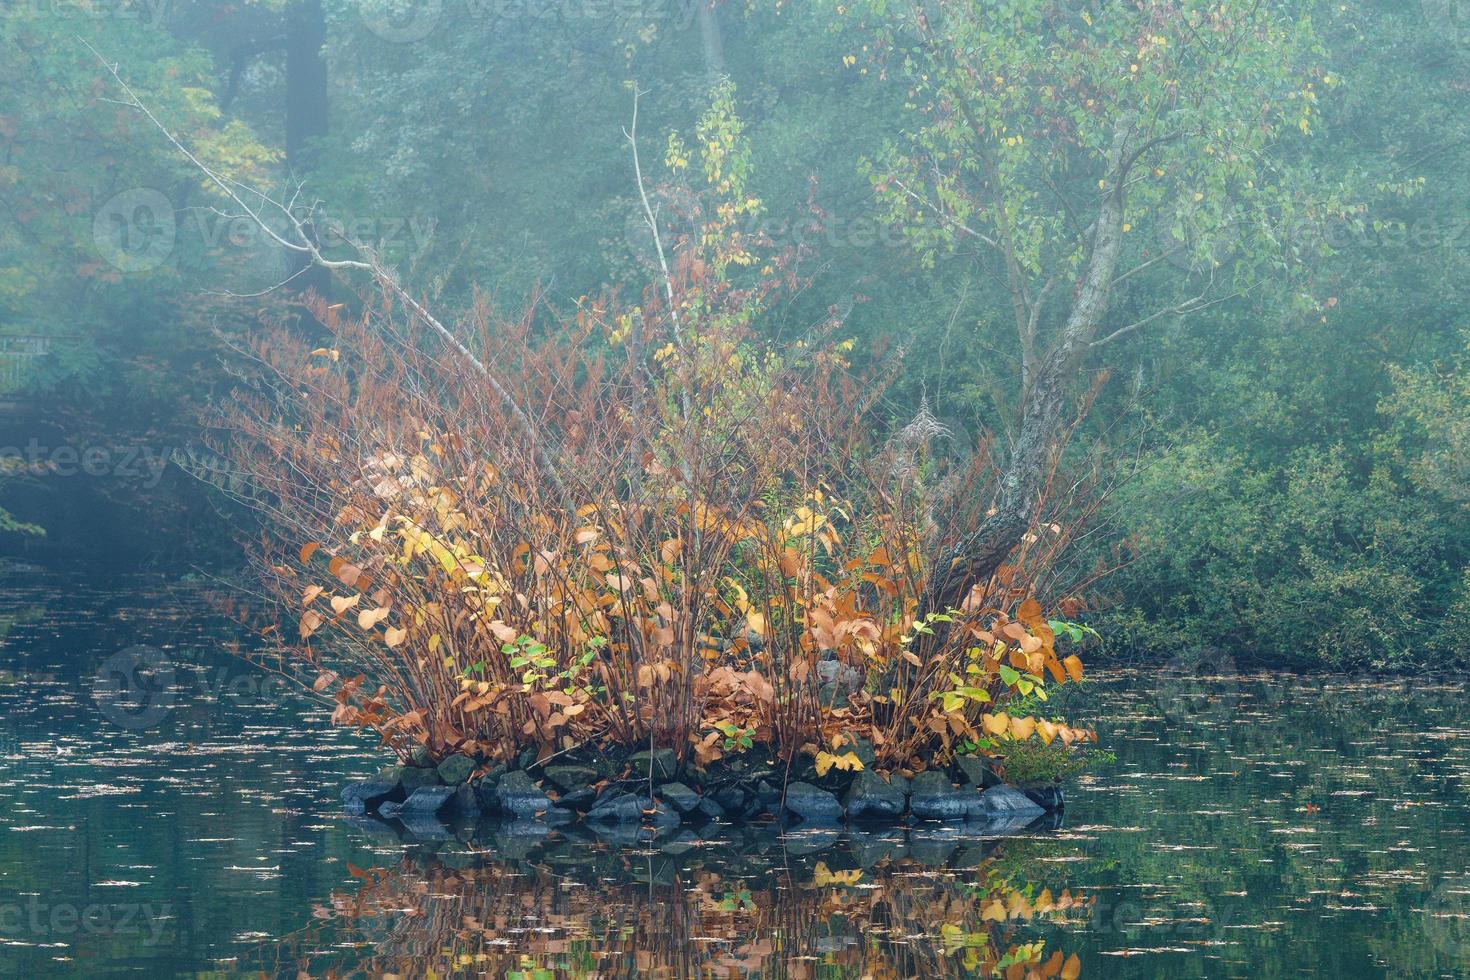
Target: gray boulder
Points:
(812, 804)
(571, 778)
(663, 764)
(680, 797)
(1048, 797)
(1009, 802)
(366, 797)
(977, 771)
(618, 807)
(934, 797)
(456, 769)
(519, 797)
(416, 777)
(870, 797)
(426, 801)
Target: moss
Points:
(1031, 762)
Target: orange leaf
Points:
(307, 550)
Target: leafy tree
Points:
(1078, 147)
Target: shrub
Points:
(633, 525)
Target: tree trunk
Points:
(975, 557)
(306, 120)
(710, 39)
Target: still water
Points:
(1250, 827)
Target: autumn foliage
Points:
(633, 525)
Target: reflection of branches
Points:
(582, 911)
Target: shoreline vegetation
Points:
(644, 528)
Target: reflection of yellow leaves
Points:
(994, 912)
(823, 876)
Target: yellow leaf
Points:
(340, 604)
(393, 636)
(1022, 728)
(1074, 667)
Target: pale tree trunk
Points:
(975, 557)
(711, 40)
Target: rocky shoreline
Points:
(650, 790)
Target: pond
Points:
(1250, 827)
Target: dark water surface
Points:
(1251, 827)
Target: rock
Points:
(870, 797)
(366, 797)
(680, 797)
(731, 799)
(456, 769)
(812, 804)
(663, 816)
(978, 771)
(426, 801)
(618, 807)
(580, 800)
(1007, 801)
(415, 777)
(934, 797)
(419, 758)
(840, 674)
(423, 827)
(464, 803)
(1048, 796)
(863, 749)
(711, 808)
(832, 695)
(526, 759)
(663, 763)
(768, 795)
(487, 790)
(570, 778)
(519, 797)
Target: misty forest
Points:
(774, 488)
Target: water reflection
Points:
(1252, 826)
(897, 904)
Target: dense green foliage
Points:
(1295, 444)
